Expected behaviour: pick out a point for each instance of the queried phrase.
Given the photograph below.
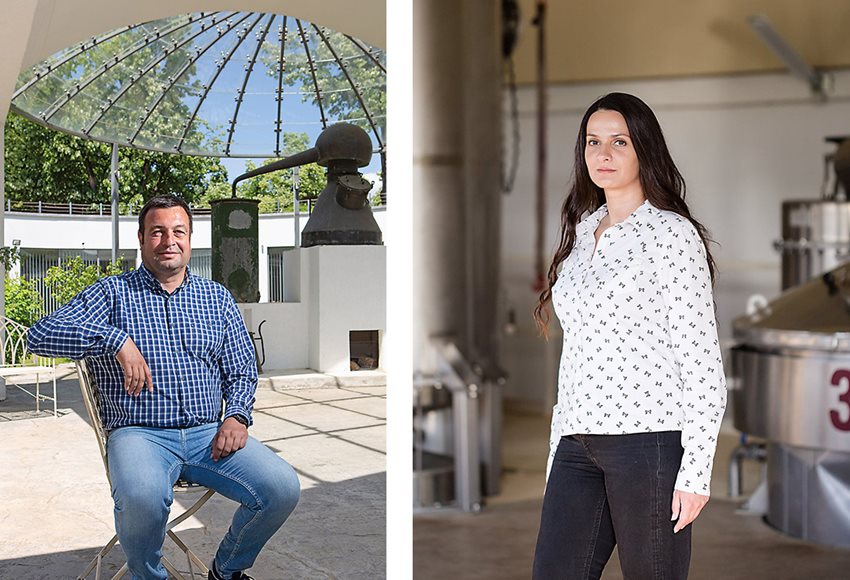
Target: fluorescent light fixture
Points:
(785, 52)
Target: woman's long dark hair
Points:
(660, 180)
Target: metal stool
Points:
(91, 398)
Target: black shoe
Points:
(213, 575)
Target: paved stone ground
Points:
(57, 510)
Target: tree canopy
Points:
(55, 167)
(47, 165)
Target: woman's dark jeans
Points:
(607, 490)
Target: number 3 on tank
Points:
(841, 378)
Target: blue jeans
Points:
(144, 463)
(607, 490)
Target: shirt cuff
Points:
(692, 478)
(232, 410)
(115, 339)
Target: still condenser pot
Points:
(792, 371)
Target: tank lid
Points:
(814, 315)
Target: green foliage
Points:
(9, 256)
(338, 99)
(23, 302)
(69, 279)
(43, 164)
(274, 190)
(276, 187)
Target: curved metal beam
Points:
(173, 80)
(39, 75)
(367, 52)
(241, 94)
(132, 82)
(106, 67)
(278, 124)
(353, 86)
(212, 80)
(313, 74)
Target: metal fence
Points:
(200, 263)
(276, 281)
(34, 263)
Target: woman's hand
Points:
(686, 508)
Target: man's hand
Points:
(137, 373)
(231, 436)
(686, 507)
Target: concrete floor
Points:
(498, 543)
(57, 510)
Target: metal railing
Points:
(105, 209)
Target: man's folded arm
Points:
(79, 329)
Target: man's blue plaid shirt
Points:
(193, 340)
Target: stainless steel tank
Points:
(792, 387)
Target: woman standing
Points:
(641, 389)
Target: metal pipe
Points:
(114, 192)
(754, 451)
(296, 206)
(309, 156)
(540, 197)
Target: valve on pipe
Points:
(342, 215)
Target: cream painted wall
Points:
(343, 288)
(611, 39)
(744, 143)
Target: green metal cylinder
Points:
(235, 247)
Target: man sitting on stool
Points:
(165, 347)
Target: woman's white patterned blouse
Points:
(640, 339)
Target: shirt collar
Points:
(150, 280)
(636, 218)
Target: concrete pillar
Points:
(15, 27)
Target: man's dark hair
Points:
(163, 201)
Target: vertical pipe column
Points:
(482, 106)
(482, 176)
(438, 204)
(466, 448)
(114, 192)
(296, 206)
